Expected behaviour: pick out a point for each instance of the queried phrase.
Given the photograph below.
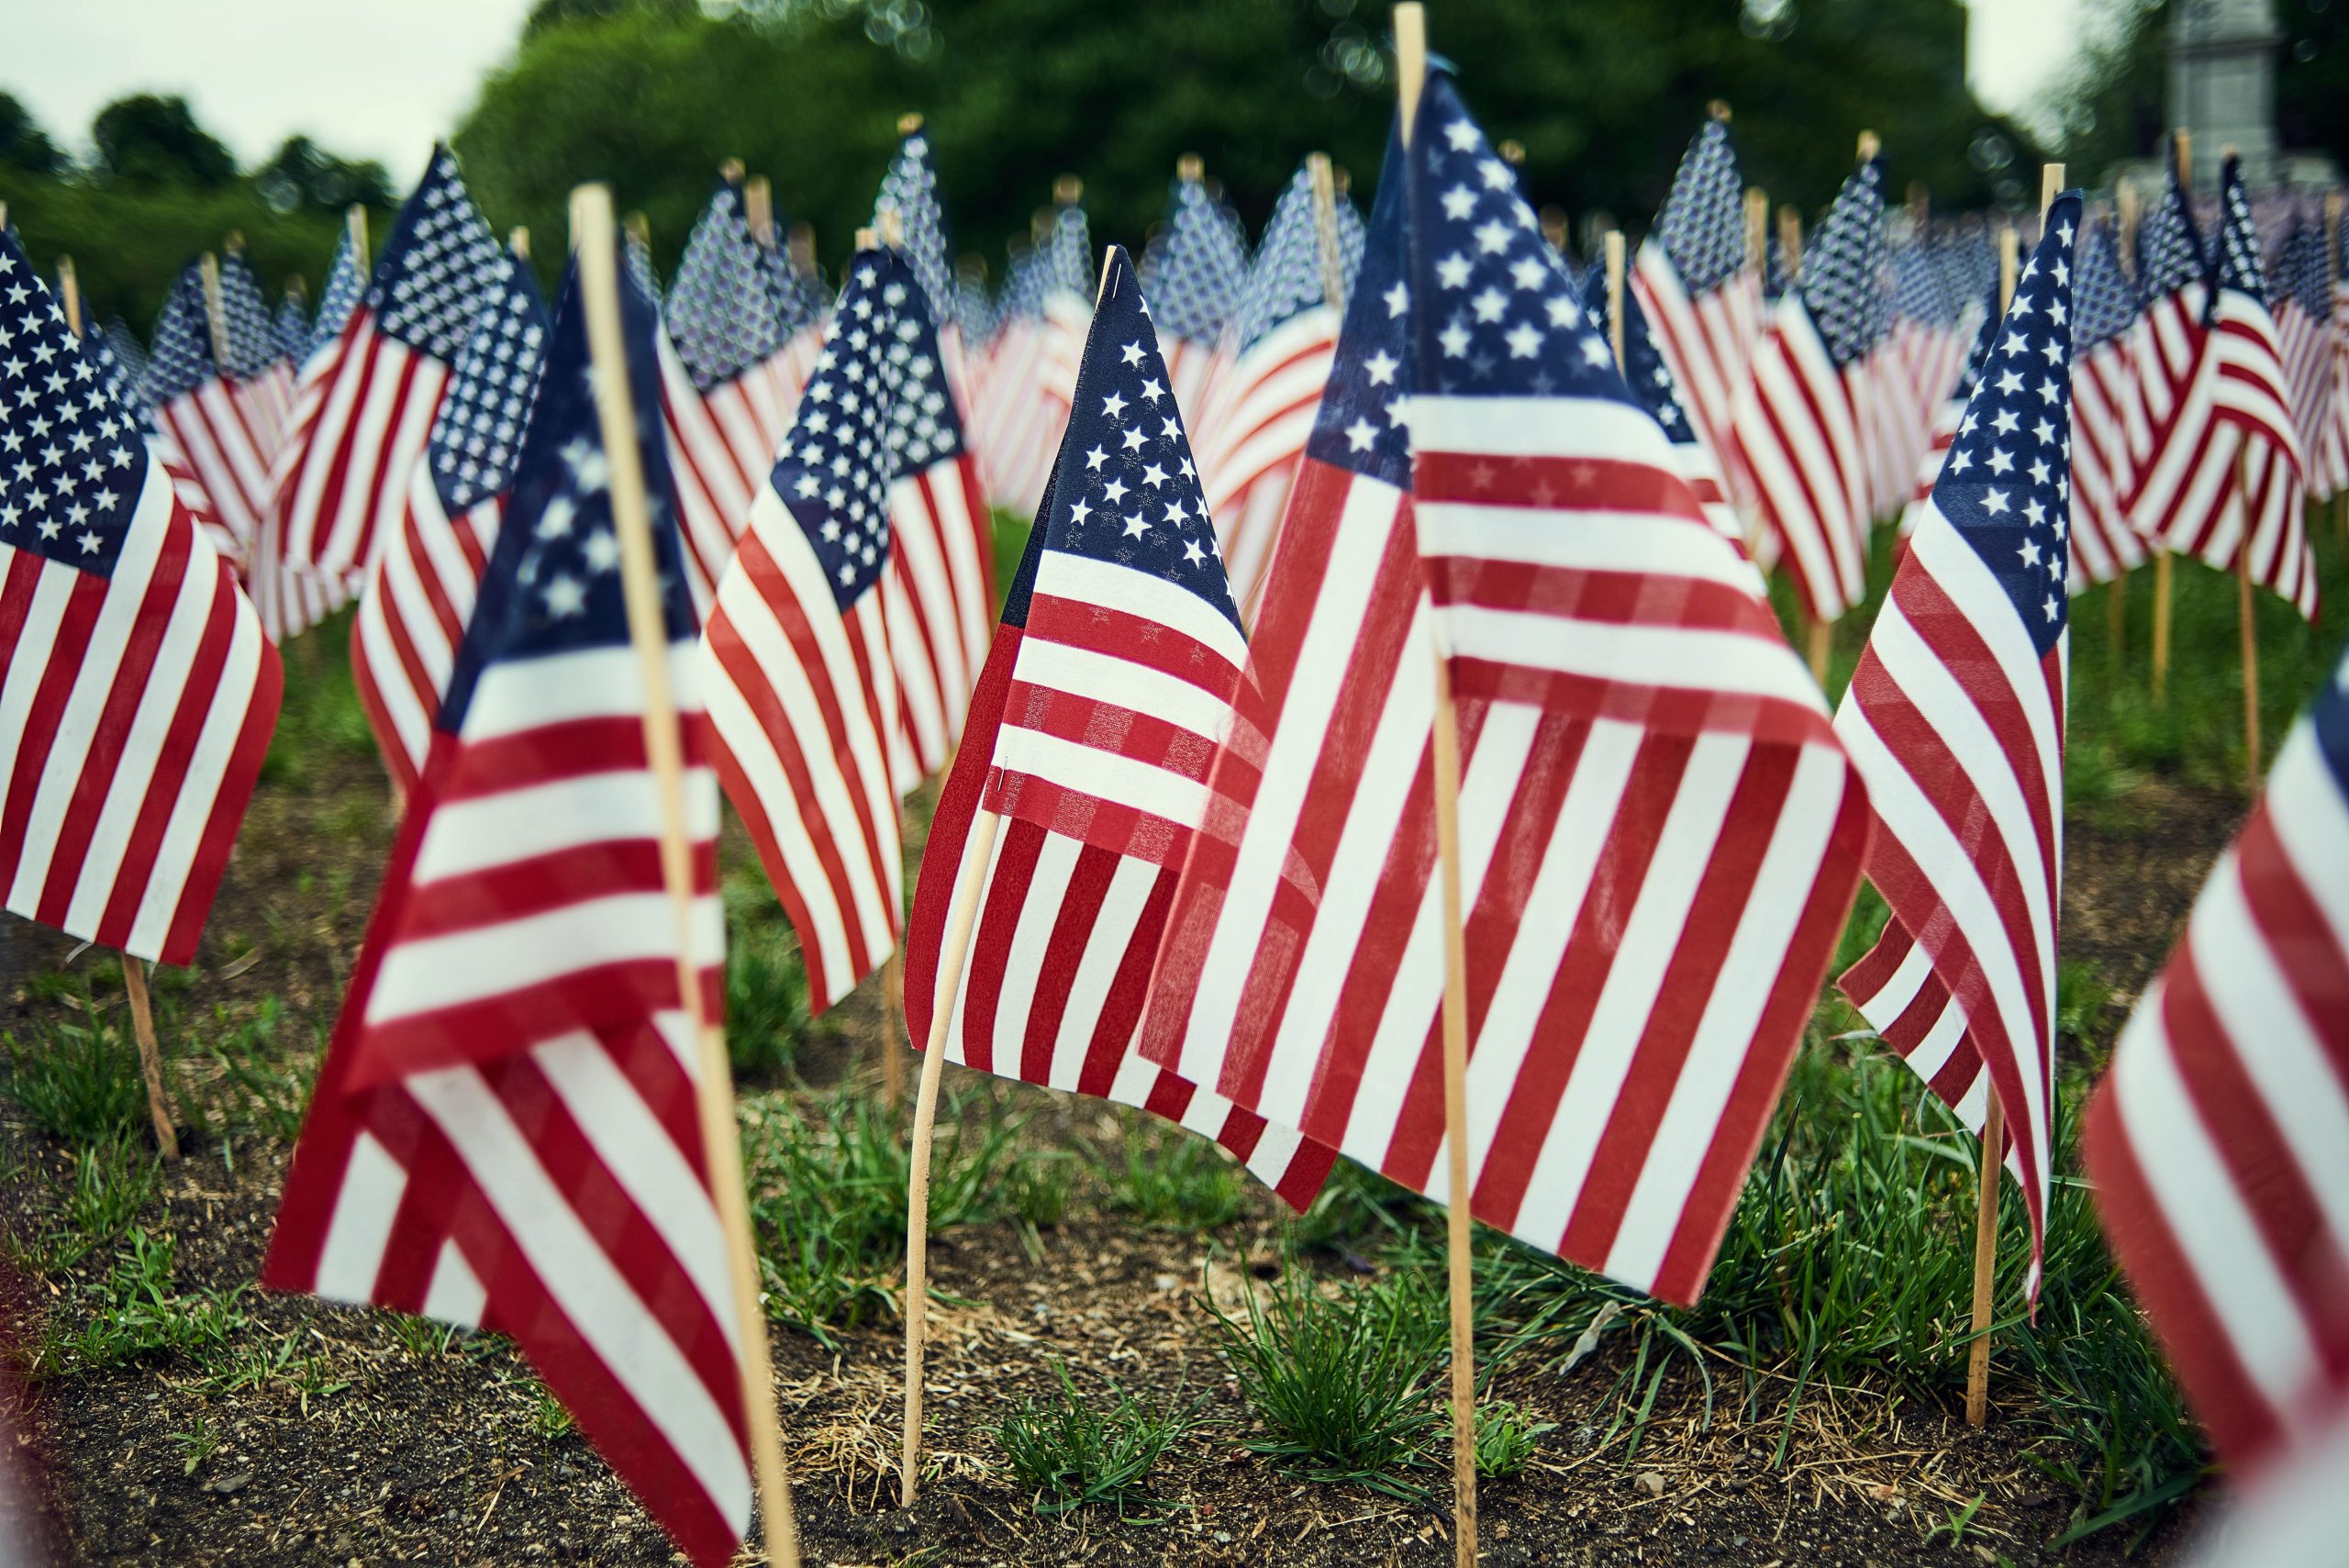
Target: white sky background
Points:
(383, 78)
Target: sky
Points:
(382, 79)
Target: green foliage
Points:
(77, 1080)
(1175, 1181)
(133, 1311)
(1068, 1452)
(1344, 1380)
(23, 144)
(828, 1194)
(301, 173)
(319, 720)
(767, 1005)
(1506, 1439)
(146, 140)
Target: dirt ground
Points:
(351, 1443)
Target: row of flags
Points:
(1190, 801)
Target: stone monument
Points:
(2223, 85)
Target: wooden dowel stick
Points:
(354, 221)
(215, 316)
(1985, 1261)
(1411, 65)
(1819, 644)
(69, 292)
(591, 224)
(952, 955)
(517, 241)
(1615, 296)
(150, 1055)
(1325, 228)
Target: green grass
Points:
(767, 1010)
(1170, 1179)
(1345, 1382)
(1507, 1437)
(828, 1196)
(1071, 1451)
(133, 1311)
(319, 719)
(78, 1079)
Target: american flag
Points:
(345, 287)
(2227, 473)
(125, 346)
(1924, 357)
(122, 372)
(1982, 311)
(1022, 405)
(1955, 716)
(2108, 413)
(796, 656)
(365, 407)
(504, 1133)
(223, 420)
(1702, 298)
(137, 692)
(2166, 344)
(420, 590)
(2302, 289)
(1110, 684)
(1660, 836)
(2218, 1143)
(1251, 435)
(291, 327)
(1201, 270)
(1653, 388)
(800, 321)
(941, 588)
(1798, 425)
(293, 597)
(723, 417)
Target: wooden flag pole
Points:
(1410, 70)
(2183, 140)
(517, 240)
(591, 224)
(354, 221)
(69, 292)
(215, 316)
(951, 956)
(1614, 249)
(1325, 228)
(758, 209)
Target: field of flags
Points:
(1384, 747)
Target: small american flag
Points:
(1251, 434)
(1798, 427)
(1700, 295)
(1660, 835)
(291, 327)
(723, 415)
(796, 656)
(1982, 311)
(218, 435)
(346, 286)
(505, 1133)
(1110, 684)
(2108, 413)
(1651, 385)
(420, 590)
(365, 408)
(2165, 345)
(2218, 1143)
(942, 568)
(2302, 289)
(1955, 716)
(1199, 272)
(1924, 359)
(1021, 410)
(137, 692)
(2235, 407)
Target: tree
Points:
(302, 175)
(151, 140)
(23, 144)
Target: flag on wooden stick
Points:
(1111, 681)
(421, 587)
(505, 1134)
(137, 692)
(1955, 716)
(1660, 835)
(2107, 414)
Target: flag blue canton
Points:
(909, 189)
(1841, 280)
(2169, 248)
(72, 460)
(1363, 424)
(924, 428)
(1024, 284)
(1353, 239)
(2311, 277)
(123, 345)
(1644, 368)
(291, 328)
(2006, 486)
(181, 359)
(2103, 303)
(553, 581)
(1494, 312)
(1199, 279)
(1702, 224)
(1070, 252)
(346, 286)
(832, 470)
(2239, 264)
(477, 434)
(973, 311)
(1126, 490)
(1285, 281)
(716, 310)
(1920, 287)
(103, 346)
(244, 310)
(438, 264)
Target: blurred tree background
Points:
(652, 94)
